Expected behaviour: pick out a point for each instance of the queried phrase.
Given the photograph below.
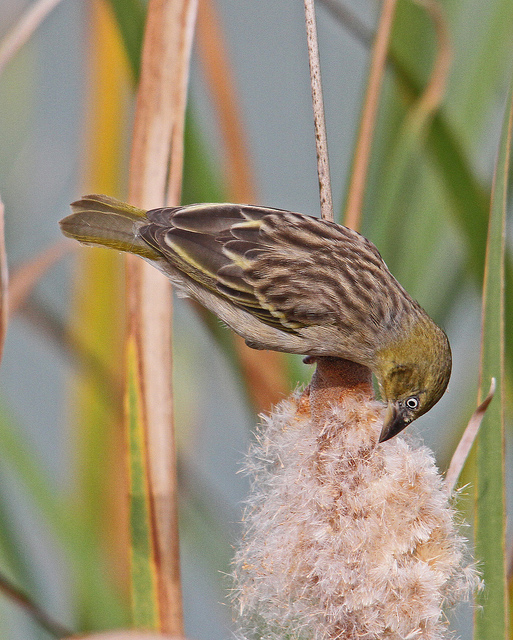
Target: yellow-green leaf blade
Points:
(490, 525)
(145, 612)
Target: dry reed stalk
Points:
(218, 74)
(160, 112)
(321, 141)
(185, 12)
(356, 190)
(24, 278)
(468, 438)
(38, 614)
(24, 28)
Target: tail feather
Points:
(106, 222)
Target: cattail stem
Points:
(333, 379)
(23, 29)
(323, 169)
(361, 160)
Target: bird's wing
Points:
(287, 269)
(201, 241)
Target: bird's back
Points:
(324, 287)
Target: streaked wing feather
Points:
(248, 231)
(232, 277)
(211, 219)
(207, 219)
(310, 272)
(96, 203)
(287, 269)
(199, 250)
(232, 283)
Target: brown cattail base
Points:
(332, 381)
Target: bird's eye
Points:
(412, 403)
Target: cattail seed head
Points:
(345, 538)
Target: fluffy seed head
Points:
(345, 539)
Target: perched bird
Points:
(287, 282)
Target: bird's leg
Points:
(333, 381)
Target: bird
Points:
(288, 282)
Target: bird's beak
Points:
(393, 422)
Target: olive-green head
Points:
(413, 372)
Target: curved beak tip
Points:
(393, 423)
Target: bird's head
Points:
(413, 373)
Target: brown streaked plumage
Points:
(287, 282)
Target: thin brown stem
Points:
(321, 141)
(218, 74)
(36, 613)
(350, 20)
(356, 190)
(24, 278)
(433, 93)
(186, 22)
(333, 379)
(24, 28)
(467, 440)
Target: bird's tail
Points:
(106, 222)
